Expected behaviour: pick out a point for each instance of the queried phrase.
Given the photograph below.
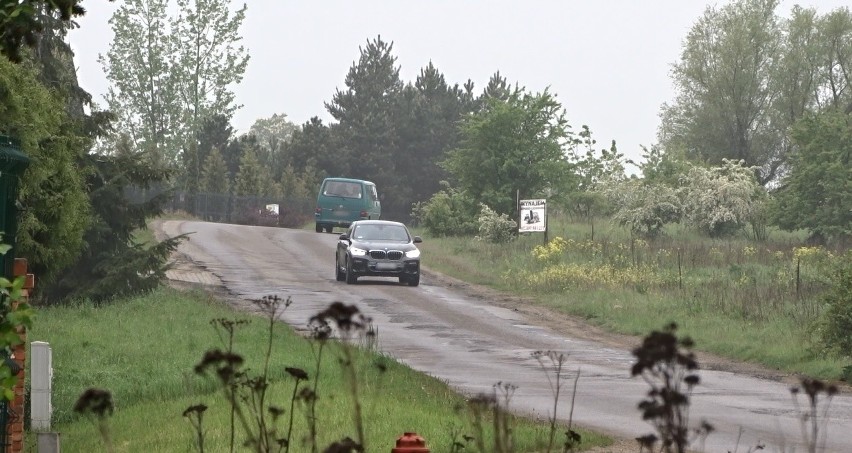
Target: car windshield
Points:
(395, 233)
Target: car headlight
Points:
(412, 253)
(355, 251)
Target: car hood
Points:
(384, 245)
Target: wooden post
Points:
(798, 278)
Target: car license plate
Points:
(341, 213)
(385, 266)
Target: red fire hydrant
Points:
(410, 443)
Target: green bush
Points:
(448, 213)
(837, 331)
(495, 228)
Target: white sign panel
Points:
(533, 216)
(272, 208)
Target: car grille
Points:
(381, 254)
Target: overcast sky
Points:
(608, 61)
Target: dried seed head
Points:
(298, 373)
(196, 409)
(95, 401)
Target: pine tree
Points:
(250, 177)
(215, 178)
(428, 115)
(216, 185)
(113, 264)
(367, 133)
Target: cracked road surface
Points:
(472, 342)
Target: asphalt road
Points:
(472, 343)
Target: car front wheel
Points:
(350, 276)
(339, 275)
(413, 280)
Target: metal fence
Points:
(230, 208)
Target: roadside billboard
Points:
(533, 216)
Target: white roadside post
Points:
(41, 376)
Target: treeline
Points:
(387, 131)
(759, 134)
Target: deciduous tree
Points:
(209, 60)
(509, 147)
(140, 67)
(592, 170)
(746, 75)
(835, 74)
(169, 75)
(663, 166)
(724, 83)
(817, 193)
(272, 133)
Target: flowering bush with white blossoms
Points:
(644, 208)
(720, 200)
(495, 228)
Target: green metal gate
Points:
(12, 165)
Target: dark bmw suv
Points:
(378, 248)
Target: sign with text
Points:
(533, 216)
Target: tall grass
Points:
(144, 349)
(757, 301)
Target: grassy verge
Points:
(143, 350)
(750, 301)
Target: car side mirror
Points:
(344, 237)
(417, 239)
